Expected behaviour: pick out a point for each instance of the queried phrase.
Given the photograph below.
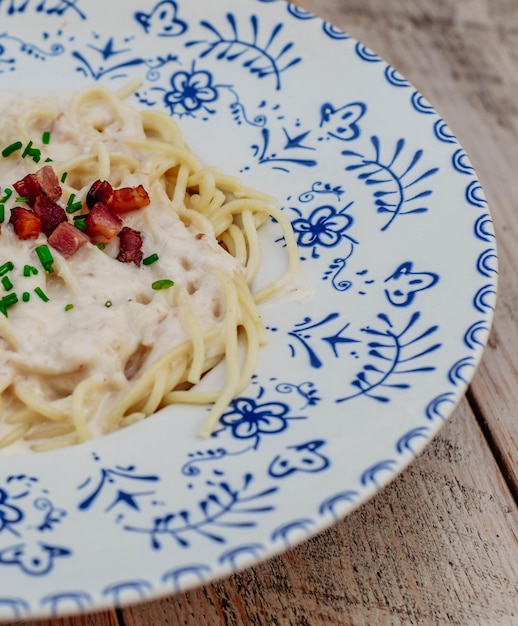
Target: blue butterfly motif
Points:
(162, 21)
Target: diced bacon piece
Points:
(26, 224)
(49, 183)
(128, 199)
(50, 213)
(28, 187)
(100, 191)
(130, 250)
(102, 224)
(67, 239)
(43, 182)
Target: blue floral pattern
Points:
(190, 92)
(366, 331)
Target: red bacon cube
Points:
(26, 224)
(130, 250)
(128, 199)
(50, 213)
(102, 224)
(67, 239)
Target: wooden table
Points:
(439, 545)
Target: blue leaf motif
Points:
(397, 353)
(397, 185)
(262, 59)
(223, 508)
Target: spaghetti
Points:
(119, 308)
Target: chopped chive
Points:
(6, 267)
(81, 216)
(165, 283)
(7, 194)
(7, 284)
(34, 153)
(45, 138)
(29, 270)
(8, 301)
(2, 212)
(101, 245)
(39, 292)
(26, 296)
(81, 224)
(10, 149)
(73, 208)
(64, 176)
(108, 304)
(45, 257)
(152, 258)
(48, 160)
(69, 307)
(21, 199)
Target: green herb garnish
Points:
(8, 301)
(164, 283)
(149, 260)
(45, 257)
(29, 270)
(6, 267)
(39, 292)
(12, 148)
(34, 153)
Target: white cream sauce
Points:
(51, 349)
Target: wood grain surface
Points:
(439, 545)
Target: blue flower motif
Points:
(249, 420)
(191, 91)
(324, 227)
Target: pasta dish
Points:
(127, 270)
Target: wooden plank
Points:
(437, 546)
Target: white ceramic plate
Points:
(399, 263)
